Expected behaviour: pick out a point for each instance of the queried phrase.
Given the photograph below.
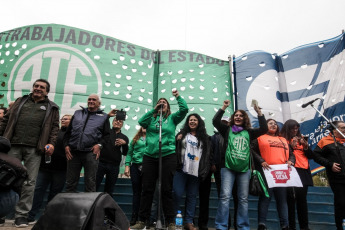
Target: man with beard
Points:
(31, 125)
(87, 133)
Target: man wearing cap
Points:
(87, 133)
(31, 125)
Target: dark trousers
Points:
(111, 173)
(54, 180)
(136, 179)
(8, 200)
(339, 203)
(79, 160)
(149, 178)
(297, 197)
(204, 198)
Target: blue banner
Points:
(283, 83)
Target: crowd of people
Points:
(54, 155)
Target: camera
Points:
(120, 115)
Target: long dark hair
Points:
(168, 108)
(277, 131)
(246, 121)
(201, 133)
(287, 127)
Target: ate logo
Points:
(69, 71)
(281, 176)
(241, 143)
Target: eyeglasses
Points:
(39, 86)
(64, 119)
(271, 123)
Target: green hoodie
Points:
(168, 130)
(136, 152)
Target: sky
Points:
(217, 28)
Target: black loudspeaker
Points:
(82, 211)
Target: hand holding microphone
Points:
(159, 107)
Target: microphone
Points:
(160, 106)
(310, 102)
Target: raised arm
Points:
(262, 124)
(182, 108)
(216, 121)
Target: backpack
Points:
(82, 211)
(12, 173)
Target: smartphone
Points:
(255, 102)
(121, 115)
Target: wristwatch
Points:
(100, 146)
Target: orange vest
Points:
(301, 159)
(274, 150)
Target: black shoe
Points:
(134, 219)
(262, 227)
(21, 222)
(2, 222)
(31, 221)
(203, 227)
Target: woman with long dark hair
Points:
(270, 149)
(193, 149)
(235, 163)
(150, 172)
(297, 196)
(134, 160)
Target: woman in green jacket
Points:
(150, 121)
(134, 160)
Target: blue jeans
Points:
(79, 160)
(280, 195)
(228, 178)
(189, 184)
(8, 199)
(136, 186)
(111, 173)
(56, 180)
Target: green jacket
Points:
(168, 130)
(136, 152)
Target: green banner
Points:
(126, 76)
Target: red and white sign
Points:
(282, 176)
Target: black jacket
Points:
(59, 161)
(327, 154)
(111, 153)
(205, 161)
(218, 147)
